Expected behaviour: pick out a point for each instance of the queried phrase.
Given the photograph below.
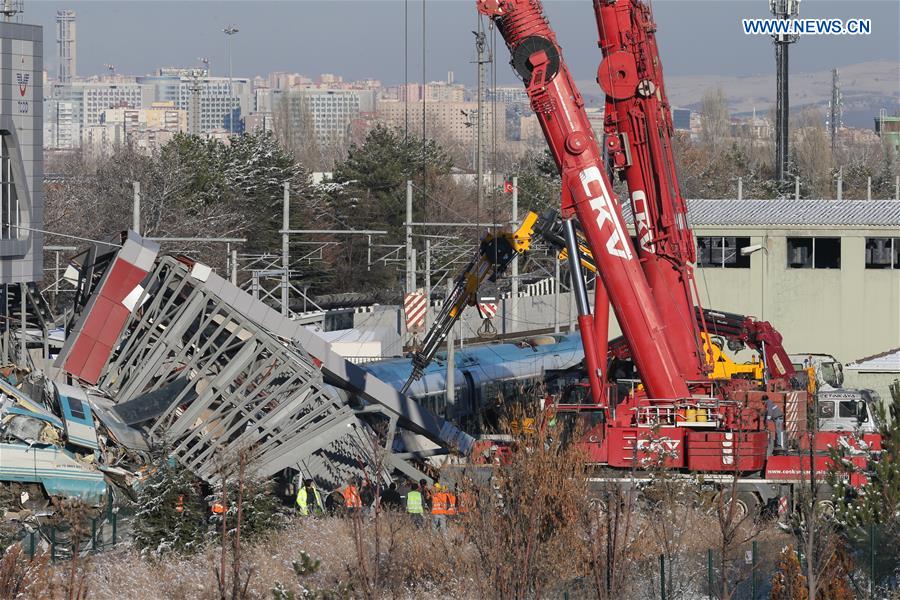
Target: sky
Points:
(366, 38)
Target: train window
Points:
(76, 408)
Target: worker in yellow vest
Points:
(415, 504)
(309, 501)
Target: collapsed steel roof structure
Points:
(204, 370)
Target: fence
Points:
(91, 535)
(751, 567)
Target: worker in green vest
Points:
(309, 500)
(415, 504)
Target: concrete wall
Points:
(21, 125)
(849, 312)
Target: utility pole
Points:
(285, 250)
(410, 266)
(427, 282)
(451, 359)
(479, 133)
(234, 267)
(136, 208)
(229, 31)
(796, 187)
(556, 295)
(514, 273)
(782, 9)
(840, 183)
(23, 303)
(740, 195)
(835, 109)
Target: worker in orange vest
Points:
(440, 507)
(452, 499)
(352, 501)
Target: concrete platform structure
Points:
(21, 152)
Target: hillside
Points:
(867, 87)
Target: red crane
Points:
(680, 415)
(588, 194)
(638, 138)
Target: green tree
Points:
(172, 514)
(369, 192)
(539, 182)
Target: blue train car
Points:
(487, 377)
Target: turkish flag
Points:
(507, 187)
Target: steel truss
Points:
(203, 379)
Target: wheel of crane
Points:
(599, 506)
(746, 504)
(826, 509)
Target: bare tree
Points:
(715, 118)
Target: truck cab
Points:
(829, 370)
(847, 410)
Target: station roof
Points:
(790, 213)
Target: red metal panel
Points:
(123, 277)
(104, 318)
(718, 451)
(116, 319)
(93, 366)
(796, 468)
(641, 447)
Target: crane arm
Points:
(587, 194)
(495, 253)
(638, 134)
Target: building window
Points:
(883, 253)
(9, 201)
(722, 252)
(814, 253)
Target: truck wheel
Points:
(599, 506)
(746, 504)
(825, 509)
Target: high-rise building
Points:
(446, 121)
(216, 99)
(327, 113)
(65, 45)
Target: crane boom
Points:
(587, 194)
(638, 139)
(495, 252)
